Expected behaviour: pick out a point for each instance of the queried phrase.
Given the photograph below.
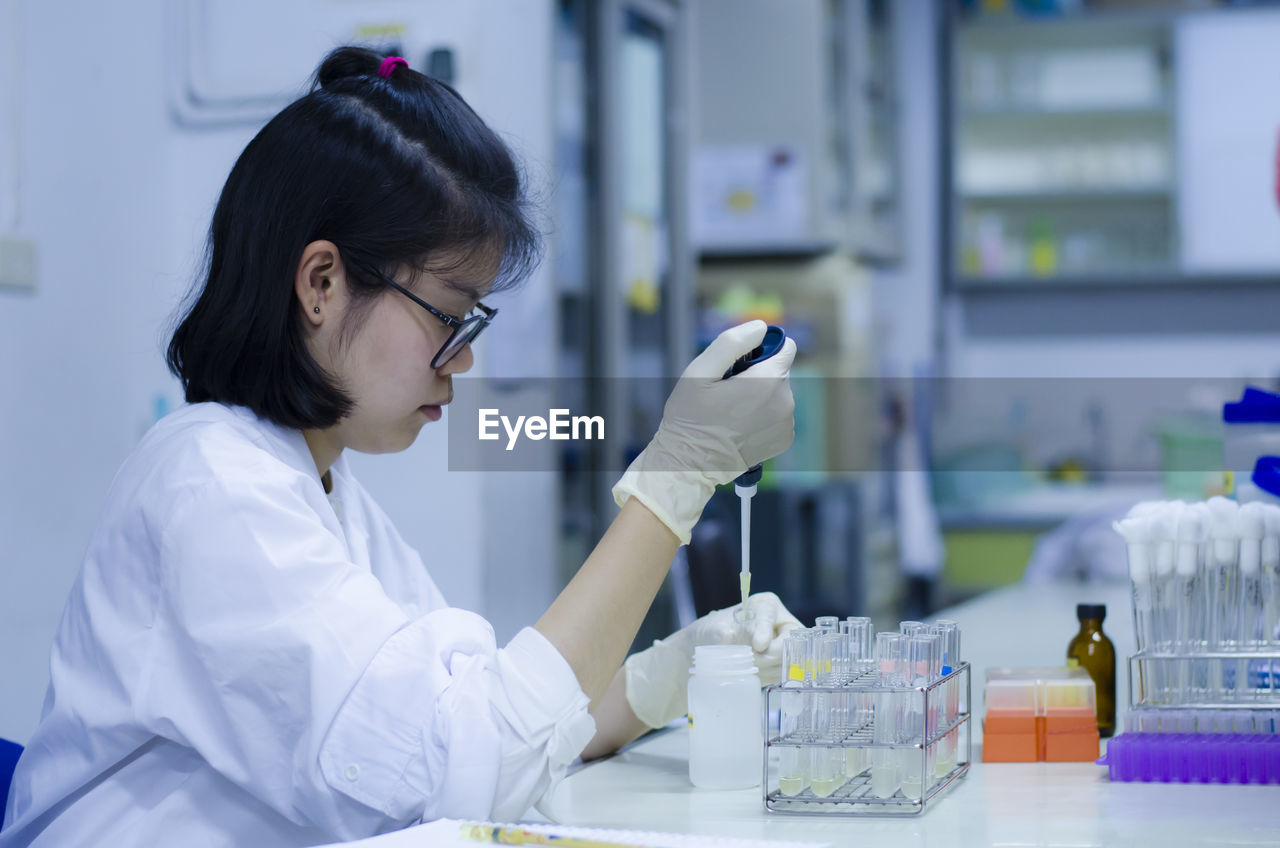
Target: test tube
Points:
(1164, 534)
(911, 628)
(1251, 526)
(826, 764)
(1271, 576)
(793, 764)
(1135, 530)
(1222, 575)
(827, 623)
(887, 721)
(937, 711)
(861, 660)
(1194, 546)
(1270, 567)
(921, 650)
(949, 632)
(862, 633)
(1164, 530)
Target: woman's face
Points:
(384, 364)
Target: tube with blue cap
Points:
(745, 484)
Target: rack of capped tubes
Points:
(866, 723)
(1205, 582)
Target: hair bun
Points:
(346, 63)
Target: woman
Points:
(251, 654)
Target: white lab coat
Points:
(246, 661)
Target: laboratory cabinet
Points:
(795, 131)
(1063, 147)
(1109, 146)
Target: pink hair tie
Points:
(389, 64)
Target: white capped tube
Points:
(1271, 578)
(1270, 553)
(1189, 532)
(1249, 624)
(1252, 527)
(1164, 534)
(1222, 529)
(1136, 532)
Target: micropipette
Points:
(745, 484)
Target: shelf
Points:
(1114, 279)
(1155, 109)
(765, 250)
(1069, 195)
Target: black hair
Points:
(396, 172)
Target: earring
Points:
(315, 309)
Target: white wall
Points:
(118, 199)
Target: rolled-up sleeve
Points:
(444, 723)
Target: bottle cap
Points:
(1084, 612)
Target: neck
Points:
(324, 452)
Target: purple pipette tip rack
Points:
(1194, 757)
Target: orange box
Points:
(1039, 714)
(1071, 737)
(1009, 748)
(1009, 721)
(1009, 736)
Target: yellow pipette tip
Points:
(744, 581)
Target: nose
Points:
(460, 364)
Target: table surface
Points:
(1008, 804)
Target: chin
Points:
(390, 442)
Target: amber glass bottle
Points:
(1093, 651)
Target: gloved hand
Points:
(713, 429)
(658, 677)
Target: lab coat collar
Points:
(291, 446)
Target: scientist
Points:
(251, 654)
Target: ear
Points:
(319, 281)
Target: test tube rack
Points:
(1225, 680)
(848, 743)
(1210, 717)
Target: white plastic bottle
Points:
(726, 748)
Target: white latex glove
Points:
(713, 429)
(658, 677)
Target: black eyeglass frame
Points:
(457, 325)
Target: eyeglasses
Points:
(464, 332)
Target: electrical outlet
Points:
(17, 263)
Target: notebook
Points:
(447, 833)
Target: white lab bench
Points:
(1007, 804)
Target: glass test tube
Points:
(826, 765)
(884, 761)
(1270, 566)
(793, 770)
(1221, 621)
(863, 635)
(861, 665)
(1190, 553)
(949, 632)
(921, 659)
